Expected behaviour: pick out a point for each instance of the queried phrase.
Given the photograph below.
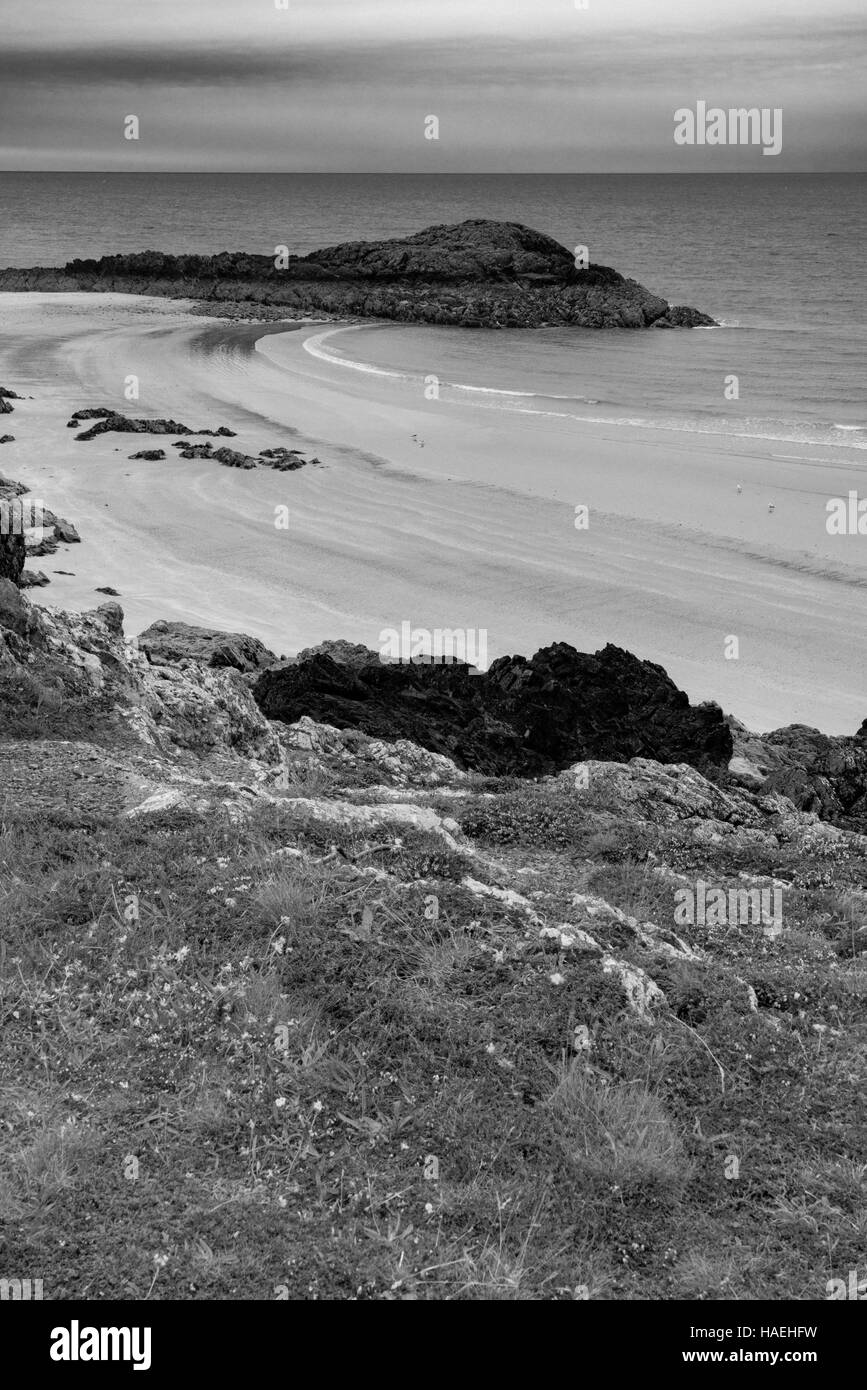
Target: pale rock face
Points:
(676, 795)
(747, 774)
(642, 993)
(171, 799)
(403, 762)
(374, 817)
(508, 896)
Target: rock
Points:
(397, 764)
(111, 614)
(375, 817)
(109, 421)
(14, 610)
(473, 274)
(9, 489)
(344, 653)
(817, 772)
(169, 642)
(284, 460)
(170, 799)
(168, 709)
(681, 316)
(523, 717)
(107, 589)
(230, 458)
(152, 455)
(33, 579)
(195, 451)
(745, 773)
(7, 438)
(47, 546)
(64, 530)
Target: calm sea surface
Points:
(777, 259)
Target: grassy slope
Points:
(233, 1072)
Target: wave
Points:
(781, 431)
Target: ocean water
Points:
(777, 259)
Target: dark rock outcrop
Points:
(167, 643)
(12, 549)
(152, 455)
(7, 438)
(525, 717)
(110, 422)
(12, 554)
(477, 273)
(284, 460)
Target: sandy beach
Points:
(476, 529)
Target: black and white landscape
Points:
(433, 725)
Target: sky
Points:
(336, 85)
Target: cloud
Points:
(337, 84)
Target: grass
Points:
(235, 1067)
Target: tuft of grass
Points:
(618, 1132)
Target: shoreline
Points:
(475, 530)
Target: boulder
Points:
(343, 652)
(14, 610)
(818, 772)
(63, 529)
(167, 643)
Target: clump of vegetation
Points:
(33, 707)
(549, 816)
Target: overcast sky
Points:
(347, 84)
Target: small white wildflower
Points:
(557, 978)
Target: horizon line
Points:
(464, 173)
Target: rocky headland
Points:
(478, 273)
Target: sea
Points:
(776, 259)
